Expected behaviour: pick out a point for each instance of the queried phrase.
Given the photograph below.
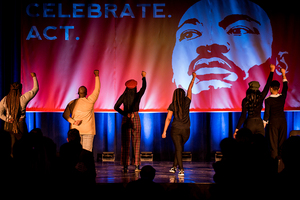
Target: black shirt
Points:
(257, 109)
(136, 106)
(183, 123)
(275, 105)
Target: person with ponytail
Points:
(131, 124)
(253, 103)
(180, 130)
(13, 109)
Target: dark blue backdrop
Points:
(207, 129)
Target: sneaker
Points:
(172, 170)
(181, 173)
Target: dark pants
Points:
(179, 137)
(255, 125)
(131, 130)
(277, 135)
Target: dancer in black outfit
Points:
(275, 114)
(180, 131)
(252, 104)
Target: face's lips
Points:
(213, 68)
(211, 62)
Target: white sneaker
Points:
(172, 170)
(181, 173)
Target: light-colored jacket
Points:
(24, 100)
(83, 109)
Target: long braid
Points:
(13, 104)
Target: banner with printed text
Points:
(227, 43)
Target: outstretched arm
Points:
(30, 94)
(167, 122)
(144, 84)
(94, 96)
(269, 81)
(189, 92)
(285, 83)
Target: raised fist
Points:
(272, 67)
(143, 74)
(96, 72)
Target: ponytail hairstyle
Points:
(178, 102)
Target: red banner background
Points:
(64, 42)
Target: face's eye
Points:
(189, 35)
(242, 30)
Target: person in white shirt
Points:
(13, 109)
(80, 114)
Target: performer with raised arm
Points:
(80, 114)
(180, 131)
(13, 109)
(131, 125)
(253, 103)
(275, 114)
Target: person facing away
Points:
(145, 186)
(13, 109)
(77, 164)
(80, 114)
(180, 131)
(131, 124)
(274, 112)
(252, 104)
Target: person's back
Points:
(274, 113)
(275, 102)
(77, 164)
(145, 187)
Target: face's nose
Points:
(212, 50)
(208, 51)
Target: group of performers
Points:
(80, 114)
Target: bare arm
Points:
(189, 92)
(167, 123)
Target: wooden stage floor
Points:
(195, 172)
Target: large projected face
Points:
(220, 41)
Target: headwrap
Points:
(254, 85)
